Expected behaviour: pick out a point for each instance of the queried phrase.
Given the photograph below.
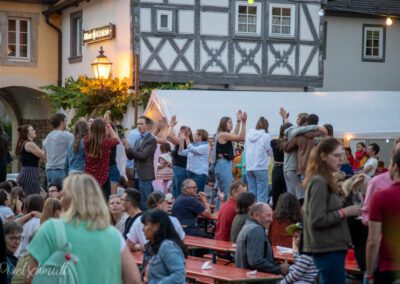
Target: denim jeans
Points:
(244, 179)
(145, 188)
(223, 175)
(179, 175)
(258, 184)
(55, 176)
(200, 180)
(293, 184)
(331, 266)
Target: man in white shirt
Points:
(372, 162)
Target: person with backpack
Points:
(78, 243)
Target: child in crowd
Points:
(381, 168)
(361, 157)
(303, 269)
(164, 166)
(17, 198)
(5, 211)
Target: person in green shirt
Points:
(101, 253)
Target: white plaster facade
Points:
(97, 13)
(344, 69)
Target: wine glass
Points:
(358, 200)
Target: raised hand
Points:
(173, 121)
(244, 117)
(239, 115)
(283, 112)
(106, 116)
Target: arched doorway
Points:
(22, 105)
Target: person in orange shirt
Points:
(361, 157)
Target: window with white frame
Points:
(18, 39)
(164, 20)
(373, 43)
(76, 37)
(248, 18)
(282, 20)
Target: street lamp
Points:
(101, 66)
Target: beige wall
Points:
(45, 71)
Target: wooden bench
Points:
(226, 274)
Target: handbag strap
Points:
(61, 238)
(214, 150)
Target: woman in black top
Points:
(3, 154)
(29, 154)
(223, 153)
(278, 179)
(179, 173)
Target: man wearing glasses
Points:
(188, 206)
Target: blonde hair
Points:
(348, 186)
(50, 207)
(86, 202)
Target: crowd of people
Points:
(302, 190)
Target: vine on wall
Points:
(89, 96)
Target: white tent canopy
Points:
(361, 115)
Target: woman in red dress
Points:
(98, 144)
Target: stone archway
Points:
(25, 106)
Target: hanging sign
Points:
(99, 34)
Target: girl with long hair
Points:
(86, 220)
(326, 234)
(287, 212)
(75, 160)
(258, 151)
(165, 248)
(51, 209)
(118, 216)
(98, 144)
(29, 154)
(223, 153)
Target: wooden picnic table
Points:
(220, 246)
(213, 245)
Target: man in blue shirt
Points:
(188, 206)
